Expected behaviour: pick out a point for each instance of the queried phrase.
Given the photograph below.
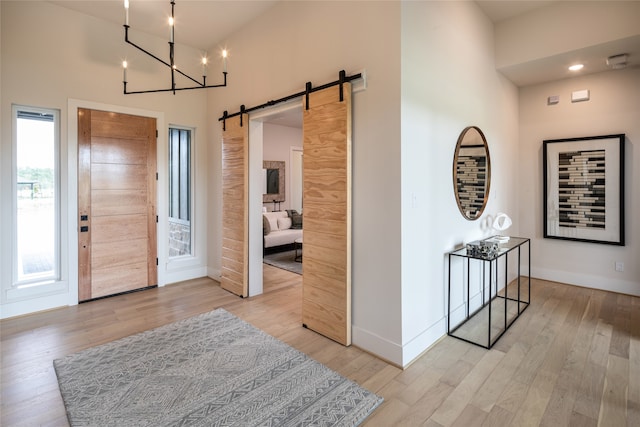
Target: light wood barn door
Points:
(116, 203)
(326, 279)
(235, 206)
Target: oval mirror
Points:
(471, 172)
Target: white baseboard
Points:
(377, 345)
(588, 281)
(184, 274)
(214, 273)
(400, 355)
(419, 344)
(20, 308)
(459, 311)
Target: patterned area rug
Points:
(213, 369)
(284, 260)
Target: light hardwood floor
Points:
(572, 359)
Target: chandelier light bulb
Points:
(224, 60)
(126, 12)
(124, 71)
(204, 66)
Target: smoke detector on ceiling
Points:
(617, 62)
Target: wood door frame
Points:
(69, 208)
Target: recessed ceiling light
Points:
(576, 67)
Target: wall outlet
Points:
(619, 266)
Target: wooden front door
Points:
(326, 279)
(235, 206)
(116, 203)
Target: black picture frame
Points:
(274, 191)
(584, 189)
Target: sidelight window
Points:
(180, 230)
(36, 196)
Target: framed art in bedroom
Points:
(584, 189)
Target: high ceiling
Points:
(499, 10)
(204, 24)
(210, 21)
(555, 67)
(201, 24)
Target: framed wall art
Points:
(584, 189)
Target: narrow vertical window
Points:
(37, 228)
(179, 192)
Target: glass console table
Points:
(489, 292)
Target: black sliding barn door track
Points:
(342, 78)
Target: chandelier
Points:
(171, 63)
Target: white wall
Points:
(614, 108)
(277, 144)
(56, 58)
(272, 57)
(448, 82)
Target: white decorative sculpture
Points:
(501, 223)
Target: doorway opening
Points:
(275, 135)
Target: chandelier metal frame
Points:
(171, 63)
